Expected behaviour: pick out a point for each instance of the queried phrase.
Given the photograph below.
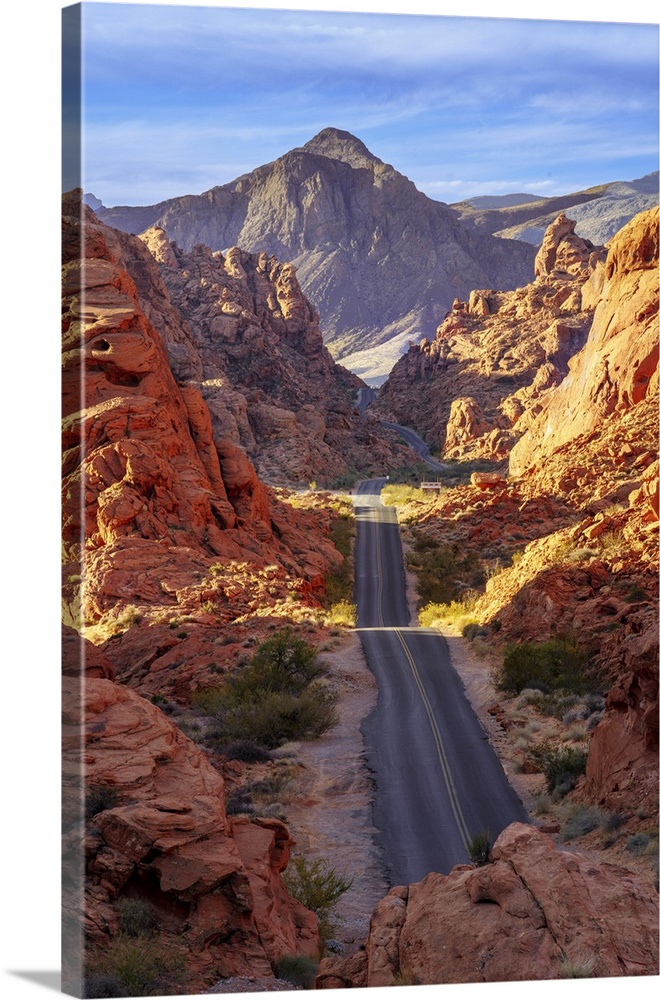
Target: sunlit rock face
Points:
(496, 356)
(525, 916)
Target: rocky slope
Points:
(258, 359)
(176, 558)
(162, 519)
(568, 542)
(381, 261)
(497, 355)
(157, 835)
(599, 212)
(531, 913)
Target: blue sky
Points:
(181, 98)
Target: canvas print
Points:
(360, 500)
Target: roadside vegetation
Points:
(318, 886)
(445, 573)
(340, 583)
(282, 694)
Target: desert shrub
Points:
(248, 751)
(277, 698)
(343, 613)
(478, 849)
(98, 798)
(297, 969)
(581, 967)
(141, 965)
(637, 843)
(398, 494)
(557, 664)
(444, 572)
(561, 766)
(473, 630)
(318, 886)
(137, 917)
(581, 822)
(459, 612)
(239, 801)
(272, 718)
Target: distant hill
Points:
(599, 212)
(380, 261)
(498, 201)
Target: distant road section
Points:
(416, 443)
(438, 780)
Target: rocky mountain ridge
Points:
(380, 261)
(599, 212)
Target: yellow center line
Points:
(442, 756)
(379, 570)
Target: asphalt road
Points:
(438, 781)
(415, 442)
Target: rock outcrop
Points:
(152, 499)
(156, 831)
(618, 365)
(260, 363)
(381, 261)
(573, 531)
(496, 355)
(532, 913)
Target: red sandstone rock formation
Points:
(618, 365)
(151, 500)
(528, 915)
(160, 834)
(495, 357)
(271, 386)
(581, 514)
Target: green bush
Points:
(141, 965)
(277, 698)
(558, 664)
(444, 572)
(317, 886)
(562, 766)
(297, 969)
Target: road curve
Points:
(438, 781)
(415, 442)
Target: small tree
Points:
(318, 887)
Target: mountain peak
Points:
(339, 145)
